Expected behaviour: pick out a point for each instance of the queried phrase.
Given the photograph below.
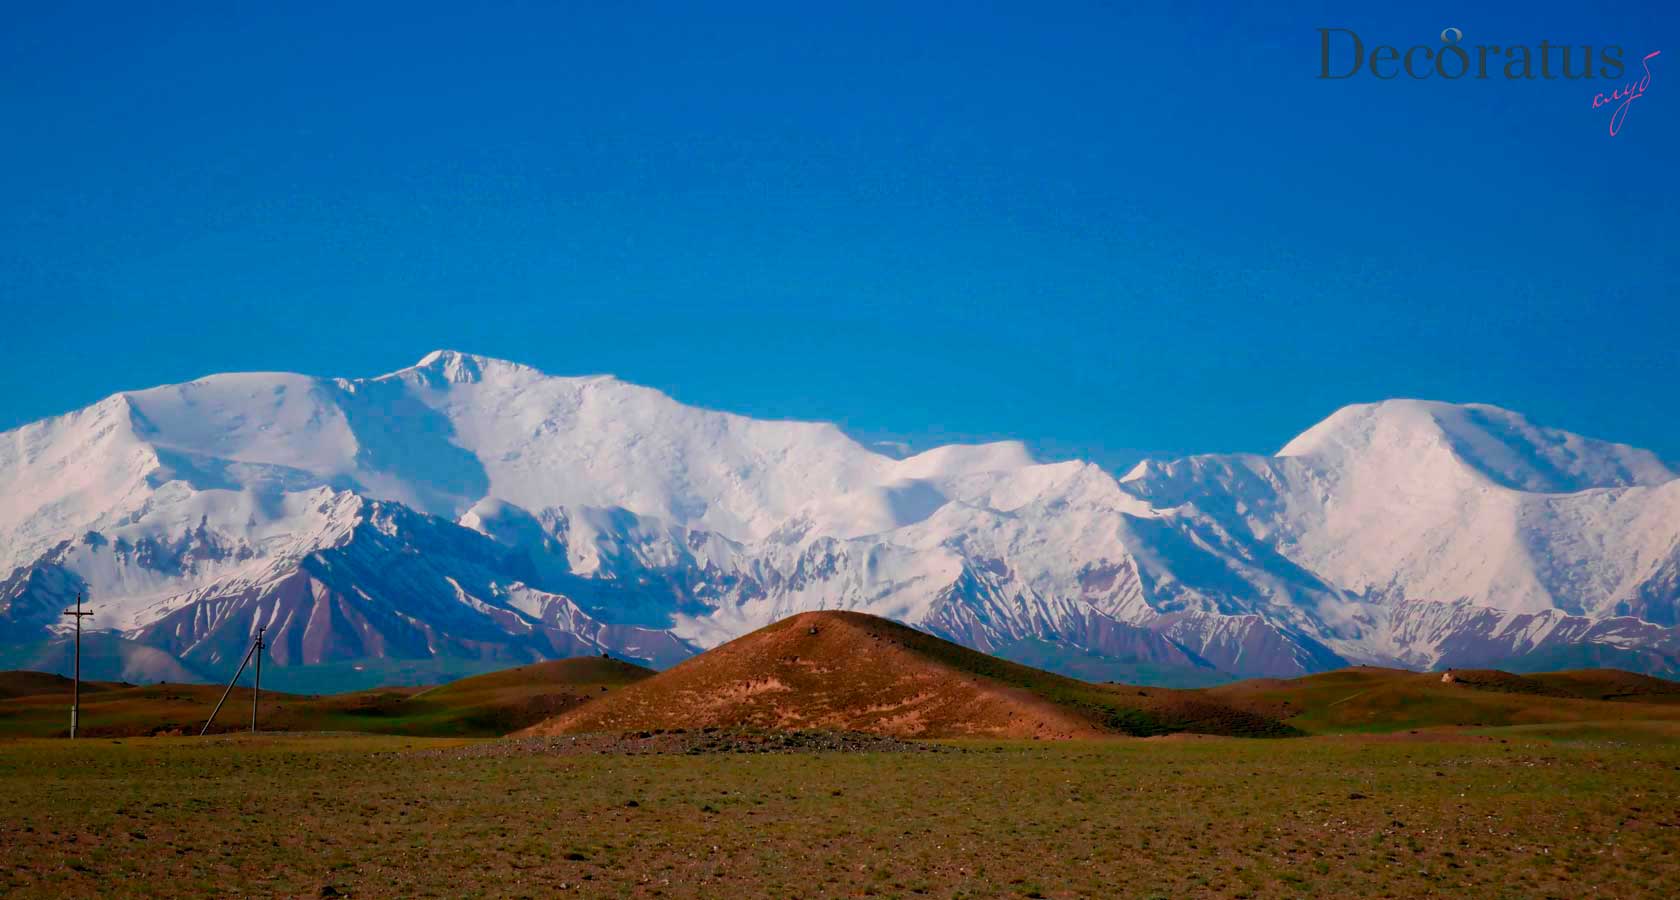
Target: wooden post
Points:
(256, 695)
(236, 673)
(76, 695)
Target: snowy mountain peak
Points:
(470, 506)
(1498, 445)
(438, 356)
(454, 367)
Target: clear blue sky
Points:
(1102, 229)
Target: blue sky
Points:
(1102, 229)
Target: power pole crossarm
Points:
(76, 696)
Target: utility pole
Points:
(256, 695)
(255, 650)
(76, 697)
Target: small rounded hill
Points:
(856, 672)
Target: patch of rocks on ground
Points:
(696, 742)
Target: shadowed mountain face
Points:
(476, 512)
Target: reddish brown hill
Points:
(841, 670)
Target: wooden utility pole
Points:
(76, 696)
(256, 695)
(255, 650)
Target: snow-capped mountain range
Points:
(474, 509)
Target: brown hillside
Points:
(1371, 699)
(536, 677)
(850, 671)
(487, 705)
(1580, 684)
(28, 684)
(1610, 684)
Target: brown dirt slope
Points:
(855, 672)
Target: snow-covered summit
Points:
(454, 367)
(1499, 445)
(473, 506)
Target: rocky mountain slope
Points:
(474, 509)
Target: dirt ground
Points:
(1587, 812)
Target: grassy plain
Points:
(1552, 810)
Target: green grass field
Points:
(1570, 810)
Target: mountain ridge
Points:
(478, 508)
